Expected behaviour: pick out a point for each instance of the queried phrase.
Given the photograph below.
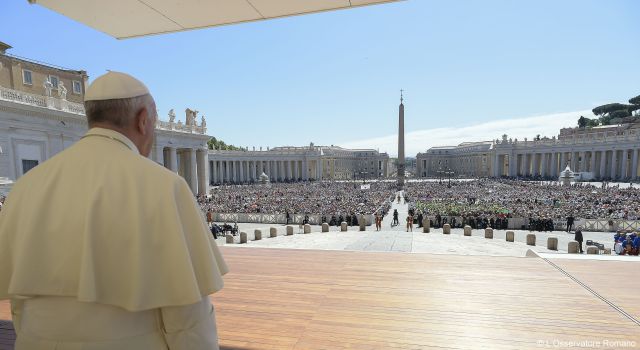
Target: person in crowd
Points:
(378, 221)
(578, 238)
(570, 220)
(126, 260)
(409, 223)
(395, 221)
(636, 243)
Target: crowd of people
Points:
(627, 243)
(334, 201)
(490, 199)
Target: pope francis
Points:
(101, 248)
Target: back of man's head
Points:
(115, 98)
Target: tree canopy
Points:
(609, 108)
(612, 113)
(221, 145)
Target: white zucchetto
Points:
(115, 85)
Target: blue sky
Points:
(334, 77)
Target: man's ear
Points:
(142, 120)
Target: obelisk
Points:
(401, 145)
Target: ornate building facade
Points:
(603, 153)
(297, 164)
(40, 117)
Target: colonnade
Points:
(246, 171)
(616, 164)
(190, 163)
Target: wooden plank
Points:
(305, 299)
(615, 280)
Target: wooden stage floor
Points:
(308, 299)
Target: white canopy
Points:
(131, 18)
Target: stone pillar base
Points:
(426, 225)
(243, 237)
(552, 243)
(592, 250)
(467, 230)
(273, 232)
(343, 226)
(510, 236)
(257, 235)
(289, 230)
(229, 239)
(572, 248)
(307, 228)
(325, 227)
(446, 229)
(488, 233)
(531, 239)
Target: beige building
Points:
(603, 153)
(467, 159)
(285, 164)
(39, 119)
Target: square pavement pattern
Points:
(310, 299)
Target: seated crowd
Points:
(331, 200)
(541, 203)
(627, 243)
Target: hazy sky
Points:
(521, 67)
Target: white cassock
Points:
(101, 248)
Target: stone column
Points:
(241, 177)
(203, 172)
(214, 171)
(543, 158)
(305, 170)
(634, 165)
(513, 162)
(623, 170)
(592, 161)
(583, 161)
(193, 171)
(159, 154)
(554, 164)
(614, 164)
(603, 164)
(522, 161)
(563, 161)
(173, 159)
(233, 171)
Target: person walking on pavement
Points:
(409, 223)
(395, 221)
(579, 238)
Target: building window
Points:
(54, 81)
(77, 87)
(27, 79)
(28, 164)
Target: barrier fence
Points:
(314, 219)
(592, 225)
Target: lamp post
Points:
(440, 173)
(449, 173)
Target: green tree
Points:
(635, 100)
(214, 143)
(582, 122)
